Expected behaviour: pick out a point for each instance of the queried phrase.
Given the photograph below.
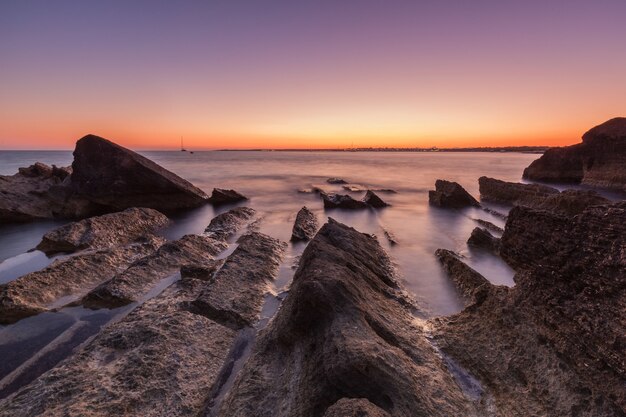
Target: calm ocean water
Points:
(271, 180)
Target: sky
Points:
(309, 74)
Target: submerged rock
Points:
(336, 181)
(481, 238)
(342, 334)
(451, 194)
(115, 178)
(599, 161)
(161, 359)
(65, 278)
(221, 196)
(490, 226)
(305, 226)
(226, 224)
(103, 231)
(371, 199)
(342, 201)
(545, 346)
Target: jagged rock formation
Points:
(545, 346)
(471, 284)
(161, 359)
(226, 224)
(221, 196)
(305, 226)
(336, 181)
(103, 231)
(105, 177)
(599, 161)
(450, 194)
(342, 332)
(489, 226)
(568, 202)
(373, 200)
(481, 238)
(115, 178)
(35, 292)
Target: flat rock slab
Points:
(226, 224)
(103, 231)
(451, 195)
(235, 296)
(131, 284)
(72, 276)
(342, 333)
(305, 225)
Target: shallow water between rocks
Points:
(271, 180)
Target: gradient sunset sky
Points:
(301, 74)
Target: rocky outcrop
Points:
(342, 334)
(226, 224)
(450, 194)
(545, 347)
(104, 178)
(471, 284)
(343, 201)
(336, 181)
(115, 178)
(65, 278)
(599, 161)
(129, 285)
(571, 202)
(512, 193)
(221, 196)
(481, 238)
(103, 231)
(489, 226)
(373, 200)
(235, 297)
(305, 226)
(161, 359)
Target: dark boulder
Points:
(451, 194)
(305, 226)
(371, 199)
(116, 178)
(512, 193)
(336, 181)
(221, 196)
(341, 201)
(481, 238)
(599, 161)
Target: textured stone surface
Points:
(553, 344)
(103, 231)
(354, 407)
(226, 224)
(599, 161)
(305, 225)
(343, 333)
(343, 201)
(220, 196)
(513, 193)
(481, 238)
(450, 194)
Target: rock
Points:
(226, 224)
(104, 178)
(201, 272)
(305, 226)
(336, 181)
(489, 226)
(481, 238)
(545, 347)
(341, 333)
(161, 359)
(220, 196)
(235, 297)
(371, 199)
(514, 194)
(571, 202)
(116, 178)
(391, 238)
(451, 195)
(341, 201)
(132, 283)
(599, 161)
(103, 231)
(36, 292)
(470, 283)
(355, 407)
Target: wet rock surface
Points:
(305, 225)
(221, 196)
(343, 201)
(450, 194)
(226, 224)
(599, 161)
(37, 291)
(373, 200)
(104, 178)
(546, 347)
(481, 238)
(103, 231)
(342, 333)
